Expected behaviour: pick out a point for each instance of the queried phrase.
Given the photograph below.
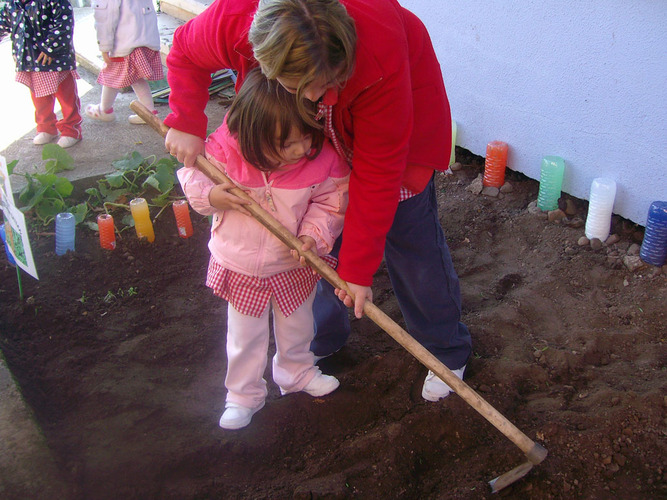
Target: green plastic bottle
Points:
(551, 182)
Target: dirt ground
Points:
(121, 356)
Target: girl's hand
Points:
(43, 59)
(308, 243)
(219, 197)
(105, 56)
(361, 295)
(185, 147)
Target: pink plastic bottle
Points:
(183, 221)
(107, 231)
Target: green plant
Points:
(45, 194)
(83, 298)
(134, 177)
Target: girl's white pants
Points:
(247, 352)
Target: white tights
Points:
(141, 89)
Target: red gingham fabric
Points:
(250, 295)
(44, 83)
(142, 63)
(325, 111)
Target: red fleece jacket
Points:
(393, 112)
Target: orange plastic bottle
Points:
(183, 221)
(142, 219)
(107, 231)
(495, 163)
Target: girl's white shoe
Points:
(66, 141)
(321, 385)
(43, 138)
(96, 113)
(237, 416)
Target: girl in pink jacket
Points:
(285, 165)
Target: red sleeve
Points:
(214, 40)
(382, 118)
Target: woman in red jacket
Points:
(371, 67)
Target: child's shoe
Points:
(138, 120)
(43, 138)
(435, 389)
(237, 416)
(67, 142)
(321, 385)
(95, 112)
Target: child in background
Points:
(128, 37)
(43, 49)
(285, 165)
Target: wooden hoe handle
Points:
(533, 451)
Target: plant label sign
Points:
(16, 232)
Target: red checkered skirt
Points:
(250, 295)
(44, 83)
(142, 63)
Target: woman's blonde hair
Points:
(304, 39)
(261, 109)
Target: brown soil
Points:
(569, 345)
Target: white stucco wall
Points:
(586, 81)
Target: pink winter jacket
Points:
(308, 198)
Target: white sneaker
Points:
(435, 389)
(138, 120)
(237, 416)
(67, 142)
(321, 385)
(43, 138)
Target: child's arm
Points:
(61, 23)
(107, 13)
(323, 220)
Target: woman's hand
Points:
(185, 147)
(219, 197)
(308, 244)
(361, 295)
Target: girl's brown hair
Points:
(304, 39)
(261, 109)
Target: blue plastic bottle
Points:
(654, 245)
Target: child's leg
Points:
(247, 347)
(108, 97)
(45, 118)
(293, 363)
(70, 125)
(143, 92)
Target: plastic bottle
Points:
(10, 257)
(107, 231)
(654, 246)
(600, 206)
(142, 219)
(65, 232)
(452, 156)
(183, 221)
(551, 182)
(494, 164)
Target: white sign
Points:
(16, 232)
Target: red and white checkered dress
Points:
(142, 63)
(44, 83)
(250, 295)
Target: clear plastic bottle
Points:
(65, 232)
(494, 164)
(551, 182)
(142, 219)
(600, 207)
(183, 221)
(107, 231)
(654, 245)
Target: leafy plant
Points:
(45, 194)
